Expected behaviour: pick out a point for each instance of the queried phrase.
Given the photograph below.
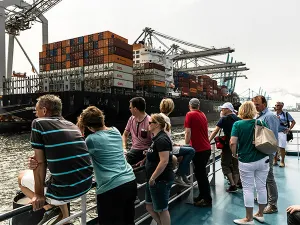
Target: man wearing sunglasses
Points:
(284, 127)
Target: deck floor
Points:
(230, 206)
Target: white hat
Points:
(229, 106)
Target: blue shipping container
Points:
(86, 54)
(80, 40)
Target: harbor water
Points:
(15, 150)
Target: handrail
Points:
(84, 210)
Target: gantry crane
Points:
(17, 16)
(197, 60)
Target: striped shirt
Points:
(67, 157)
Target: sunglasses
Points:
(150, 122)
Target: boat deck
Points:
(230, 206)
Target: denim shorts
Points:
(158, 195)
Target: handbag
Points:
(289, 135)
(264, 139)
(220, 141)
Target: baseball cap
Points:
(194, 102)
(229, 106)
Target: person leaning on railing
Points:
(253, 164)
(185, 152)
(116, 185)
(159, 172)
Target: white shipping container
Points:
(121, 83)
(117, 67)
(150, 77)
(155, 72)
(120, 75)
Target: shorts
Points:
(28, 182)
(281, 140)
(158, 195)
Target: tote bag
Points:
(264, 139)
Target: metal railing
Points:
(82, 214)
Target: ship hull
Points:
(114, 105)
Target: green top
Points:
(244, 131)
(110, 166)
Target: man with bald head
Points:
(272, 121)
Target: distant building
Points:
(298, 106)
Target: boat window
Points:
(137, 52)
(138, 56)
(137, 61)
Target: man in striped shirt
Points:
(59, 146)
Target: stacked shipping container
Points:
(150, 77)
(104, 58)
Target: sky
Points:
(265, 34)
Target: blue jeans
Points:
(188, 154)
(158, 195)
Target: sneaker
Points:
(49, 214)
(178, 180)
(260, 219)
(282, 164)
(197, 199)
(186, 180)
(203, 203)
(231, 189)
(270, 209)
(243, 221)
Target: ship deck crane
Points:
(197, 61)
(17, 16)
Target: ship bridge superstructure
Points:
(196, 59)
(17, 16)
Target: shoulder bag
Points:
(289, 135)
(220, 141)
(264, 139)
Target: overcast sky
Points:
(264, 33)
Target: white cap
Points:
(229, 106)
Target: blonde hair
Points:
(161, 121)
(247, 110)
(166, 106)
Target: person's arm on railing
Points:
(233, 145)
(214, 133)
(164, 159)
(187, 136)
(125, 138)
(39, 173)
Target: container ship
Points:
(102, 69)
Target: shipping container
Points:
(185, 91)
(118, 59)
(121, 83)
(120, 52)
(193, 90)
(149, 77)
(155, 89)
(155, 83)
(117, 67)
(117, 75)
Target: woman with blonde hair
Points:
(116, 185)
(185, 152)
(253, 164)
(159, 172)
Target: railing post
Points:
(213, 180)
(190, 199)
(83, 209)
(298, 143)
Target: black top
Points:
(161, 142)
(67, 157)
(226, 124)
